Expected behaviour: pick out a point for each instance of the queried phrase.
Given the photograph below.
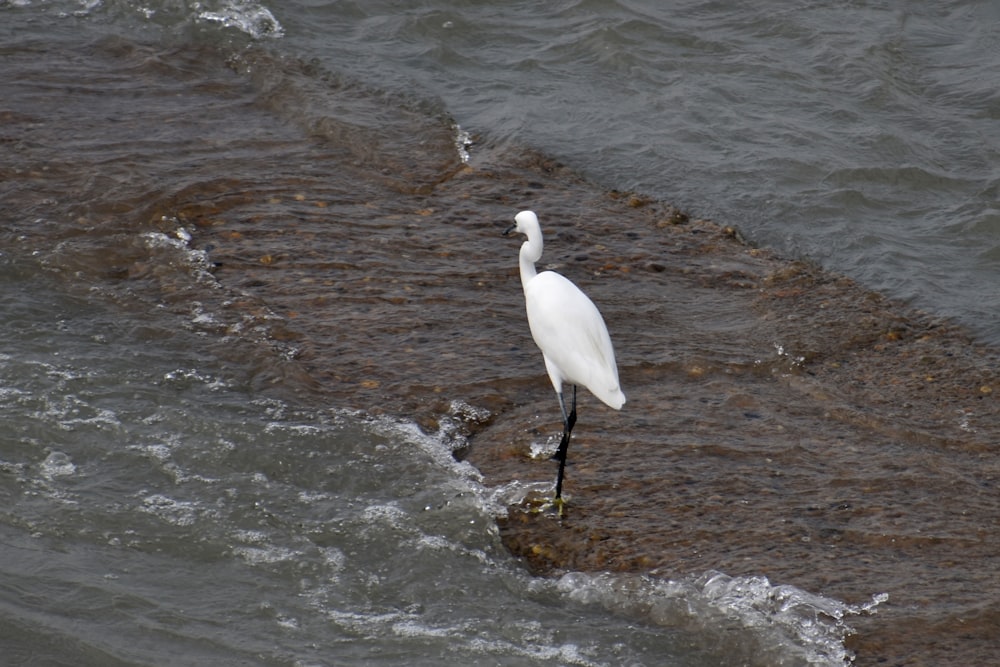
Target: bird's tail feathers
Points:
(613, 398)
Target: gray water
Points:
(173, 492)
(863, 136)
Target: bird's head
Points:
(523, 223)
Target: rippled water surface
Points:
(863, 136)
(269, 394)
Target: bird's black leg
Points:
(561, 457)
(569, 421)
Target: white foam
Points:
(463, 141)
(440, 447)
(57, 464)
(544, 450)
(785, 619)
(267, 555)
(513, 494)
(563, 654)
(174, 512)
(411, 628)
(178, 244)
(250, 18)
(250, 536)
(388, 514)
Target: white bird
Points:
(570, 332)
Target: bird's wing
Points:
(571, 333)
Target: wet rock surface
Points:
(781, 420)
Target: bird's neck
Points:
(531, 252)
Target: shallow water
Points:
(257, 305)
(159, 510)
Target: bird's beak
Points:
(507, 231)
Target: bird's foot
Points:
(560, 506)
(544, 504)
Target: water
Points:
(255, 309)
(160, 511)
(863, 137)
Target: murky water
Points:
(271, 398)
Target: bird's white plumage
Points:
(566, 325)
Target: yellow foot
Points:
(560, 506)
(539, 504)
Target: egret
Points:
(570, 332)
